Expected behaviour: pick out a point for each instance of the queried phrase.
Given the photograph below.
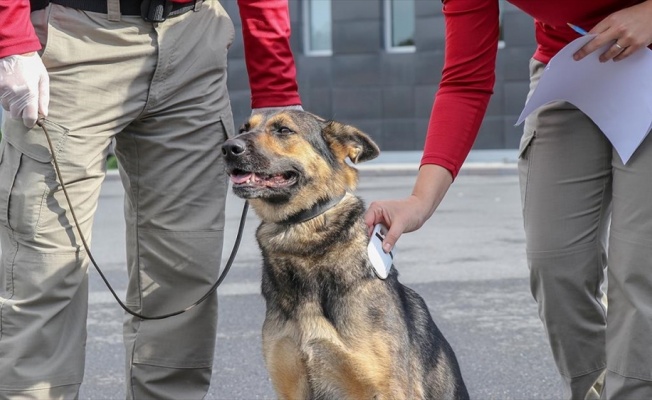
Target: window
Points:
(317, 18)
(399, 25)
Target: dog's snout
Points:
(234, 147)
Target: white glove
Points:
(24, 87)
(266, 109)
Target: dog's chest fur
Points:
(321, 261)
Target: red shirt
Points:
(470, 58)
(266, 32)
(16, 32)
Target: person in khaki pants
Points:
(158, 89)
(577, 193)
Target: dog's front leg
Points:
(338, 373)
(286, 369)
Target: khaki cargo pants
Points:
(578, 200)
(160, 91)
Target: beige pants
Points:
(573, 186)
(160, 91)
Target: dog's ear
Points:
(349, 141)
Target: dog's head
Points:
(287, 161)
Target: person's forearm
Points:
(410, 213)
(268, 55)
(431, 186)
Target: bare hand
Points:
(400, 216)
(628, 30)
(410, 213)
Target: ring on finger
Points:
(621, 48)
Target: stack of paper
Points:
(617, 96)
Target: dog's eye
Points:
(284, 130)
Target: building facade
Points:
(377, 64)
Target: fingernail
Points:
(387, 247)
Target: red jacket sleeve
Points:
(16, 31)
(467, 81)
(268, 56)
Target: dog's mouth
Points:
(241, 178)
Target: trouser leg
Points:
(174, 176)
(565, 173)
(629, 324)
(44, 291)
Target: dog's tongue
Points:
(251, 178)
(237, 179)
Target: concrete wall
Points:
(389, 95)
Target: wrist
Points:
(430, 188)
(30, 54)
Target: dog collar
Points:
(319, 208)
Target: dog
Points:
(332, 329)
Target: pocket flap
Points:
(526, 141)
(32, 142)
(227, 123)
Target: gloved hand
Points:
(266, 109)
(24, 87)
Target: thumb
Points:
(44, 95)
(391, 237)
(30, 114)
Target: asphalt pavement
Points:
(467, 262)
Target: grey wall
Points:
(389, 95)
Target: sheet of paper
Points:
(617, 96)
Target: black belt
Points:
(127, 7)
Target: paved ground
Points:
(467, 262)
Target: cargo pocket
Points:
(526, 142)
(6, 182)
(524, 157)
(27, 174)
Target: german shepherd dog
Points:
(333, 329)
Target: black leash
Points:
(234, 251)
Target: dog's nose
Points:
(234, 147)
